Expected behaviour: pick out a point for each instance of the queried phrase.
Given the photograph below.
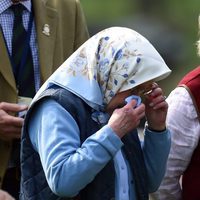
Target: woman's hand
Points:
(156, 109)
(127, 118)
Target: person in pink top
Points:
(182, 177)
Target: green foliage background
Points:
(180, 17)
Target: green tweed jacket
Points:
(66, 31)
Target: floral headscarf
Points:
(114, 60)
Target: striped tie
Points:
(21, 55)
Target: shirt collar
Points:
(5, 4)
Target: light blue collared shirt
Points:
(69, 166)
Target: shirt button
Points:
(124, 190)
(122, 167)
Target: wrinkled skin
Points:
(124, 117)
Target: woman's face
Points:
(118, 101)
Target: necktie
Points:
(17, 1)
(21, 55)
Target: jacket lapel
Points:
(46, 21)
(6, 68)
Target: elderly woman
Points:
(80, 139)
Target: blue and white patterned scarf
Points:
(114, 60)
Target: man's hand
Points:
(5, 196)
(10, 126)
